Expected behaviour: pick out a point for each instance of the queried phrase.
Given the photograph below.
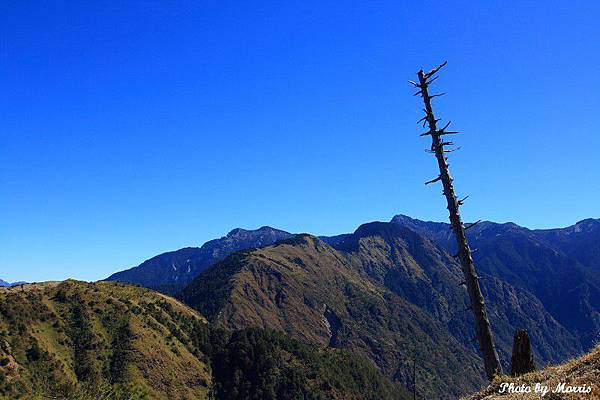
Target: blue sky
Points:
(132, 128)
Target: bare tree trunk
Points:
(482, 323)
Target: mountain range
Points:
(391, 293)
(326, 290)
(385, 292)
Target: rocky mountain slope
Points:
(77, 340)
(170, 272)
(386, 292)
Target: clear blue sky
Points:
(132, 128)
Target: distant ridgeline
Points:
(7, 284)
(392, 292)
(170, 272)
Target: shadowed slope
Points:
(537, 262)
(418, 270)
(170, 272)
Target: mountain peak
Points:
(390, 232)
(302, 239)
(170, 272)
(402, 218)
(588, 223)
(237, 232)
(410, 222)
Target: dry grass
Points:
(158, 361)
(580, 372)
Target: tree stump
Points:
(522, 357)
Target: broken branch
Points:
(433, 180)
(472, 225)
(436, 69)
(462, 201)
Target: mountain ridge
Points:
(300, 285)
(569, 289)
(169, 272)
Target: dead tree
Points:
(439, 148)
(522, 356)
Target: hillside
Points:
(306, 288)
(77, 340)
(582, 372)
(541, 262)
(62, 337)
(385, 292)
(170, 272)
(416, 269)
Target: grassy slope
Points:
(76, 340)
(313, 292)
(584, 370)
(59, 336)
